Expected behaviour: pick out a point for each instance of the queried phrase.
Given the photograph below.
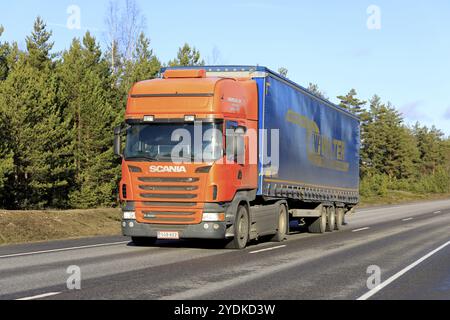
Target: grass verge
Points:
(398, 197)
(35, 226)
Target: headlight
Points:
(213, 217)
(129, 215)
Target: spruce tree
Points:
(351, 103)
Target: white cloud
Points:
(447, 114)
(413, 111)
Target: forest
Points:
(58, 111)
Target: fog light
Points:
(124, 224)
(131, 224)
(213, 216)
(206, 226)
(129, 215)
(216, 227)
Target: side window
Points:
(230, 140)
(235, 142)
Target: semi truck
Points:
(233, 153)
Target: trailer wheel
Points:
(331, 219)
(320, 224)
(282, 224)
(241, 230)
(143, 241)
(339, 218)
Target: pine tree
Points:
(314, 88)
(388, 146)
(4, 52)
(38, 135)
(144, 65)
(39, 45)
(431, 147)
(187, 56)
(88, 98)
(283, 71)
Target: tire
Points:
(282, 228)
(320, 224)
(331, 219)
(241, 230)
(340, 214)
(143, 241)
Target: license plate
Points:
(170, 235)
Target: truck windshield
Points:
(174, 142)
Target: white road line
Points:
(407, 219)
(63, 249)
(45, 295)
(361, 229)
(267, 249)
(400, 273)
(436, 212)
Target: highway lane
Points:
(330, 266)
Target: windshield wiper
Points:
(142, 158)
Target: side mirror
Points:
(118, 141)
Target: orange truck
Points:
(233, 153)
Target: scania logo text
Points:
(168, 169)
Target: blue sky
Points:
(407, 61)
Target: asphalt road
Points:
(408, 244)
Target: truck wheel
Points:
(143, 241)
(282, 225)
(320, 224)
(331, 219)
(339, 218)
(241, 230)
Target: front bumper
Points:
(132, 228)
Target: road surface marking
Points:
(436, 212)
(400, 273)
(63, 249)
(45, 295)
(408, 219)
(267, 249)
(361, 229)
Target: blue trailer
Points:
(319, 144)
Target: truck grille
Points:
(158, 179)
(168, 196)
(169, 200)
(169, 204)
(168, 188)
(165, 188)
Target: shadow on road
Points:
(209, 244)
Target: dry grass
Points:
(398, 197)
(33, 226)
